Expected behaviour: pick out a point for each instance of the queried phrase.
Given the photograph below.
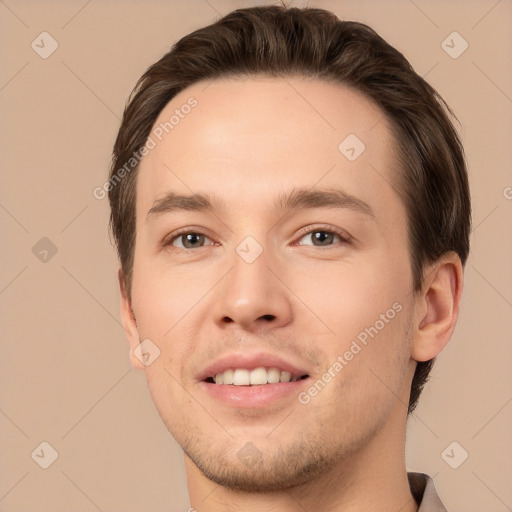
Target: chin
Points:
(250, 470)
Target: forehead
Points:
(241, 138)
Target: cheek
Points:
(347, 298)
(163, 296)
(161, 301)
(367, 363)
(365, 307)
(167, 303)
(168, 396)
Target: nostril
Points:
(268, 317)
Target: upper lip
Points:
(251, 361)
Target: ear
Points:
(437, 307)
(129, 322)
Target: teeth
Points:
(286, 376)
(256, 377)
(273, 375)
(241, 377)
(228, 377)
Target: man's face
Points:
(279, 272)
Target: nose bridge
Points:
(251, 294)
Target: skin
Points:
(247, 141)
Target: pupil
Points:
(191, 239)
(322, 237)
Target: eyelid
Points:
(344, 236)
(170, 238)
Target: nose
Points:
(252, 297)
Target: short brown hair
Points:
(276, 41)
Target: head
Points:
(244, 129)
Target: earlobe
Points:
(129, 322)
(437, 307)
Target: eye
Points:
(189, 240)
(322, 238)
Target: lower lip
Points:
(254, 396)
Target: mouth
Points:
(253, 381)
(255, 377)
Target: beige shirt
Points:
(424, 492)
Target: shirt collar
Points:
(424, 492)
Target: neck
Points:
(374, 479)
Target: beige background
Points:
(65, 376)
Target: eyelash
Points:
(167, 242)
(345, 238)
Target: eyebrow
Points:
(303, 199)
(298, 199)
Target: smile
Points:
(256, 377)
